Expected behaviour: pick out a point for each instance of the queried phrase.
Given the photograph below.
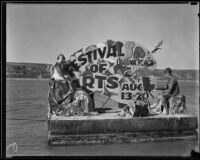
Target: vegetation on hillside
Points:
(36, 70)
(26, 70)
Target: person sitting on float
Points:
(172, 90)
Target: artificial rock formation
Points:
(65, 101)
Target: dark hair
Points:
(168, 70)
(60, 55)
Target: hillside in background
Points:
(26, 70)
(37, 70)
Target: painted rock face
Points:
(110, 68)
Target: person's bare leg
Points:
(158, 108)
(165, 104)
(156, 102)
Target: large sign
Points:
(110, 68)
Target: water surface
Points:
(26, 109)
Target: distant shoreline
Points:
(185, 80)
(45, 79)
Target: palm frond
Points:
(157, 47)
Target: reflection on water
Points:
(26, 109)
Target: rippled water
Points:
(26, 109)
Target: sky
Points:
(37, 33)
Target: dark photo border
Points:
(194, 153)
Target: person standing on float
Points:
(56, 70)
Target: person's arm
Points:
(51, 69)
